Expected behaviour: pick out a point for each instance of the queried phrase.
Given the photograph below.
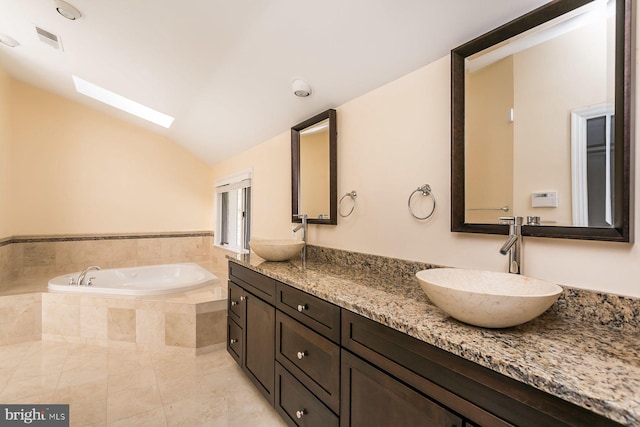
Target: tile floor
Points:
(126, 387)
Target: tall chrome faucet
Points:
(84, 273)
(303, 227)
(513, 246)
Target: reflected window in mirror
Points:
(534, 124)
(314, 169)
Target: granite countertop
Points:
(591, 365)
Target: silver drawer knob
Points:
(301, 354)
(302, 307)
(233, 341)
(299, 414)
(234, 303)
(243, 298)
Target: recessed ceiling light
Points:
(9, 41)
(301, 88)
(122, 103)
(66, 10)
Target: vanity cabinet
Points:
(321, 365)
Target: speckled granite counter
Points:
(569, 351)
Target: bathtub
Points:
(148, 280)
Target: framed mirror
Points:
(541, 124)
(314, 182)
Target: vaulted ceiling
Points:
(224, 69)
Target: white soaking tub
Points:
(148, 280)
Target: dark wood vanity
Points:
(323, 365)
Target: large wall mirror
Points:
(541, 111)
(314, 187)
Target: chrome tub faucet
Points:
(82, 275)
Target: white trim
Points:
(230, 249)
(233, 186)
(579, 199)
(234, 178)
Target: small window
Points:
(233, 213)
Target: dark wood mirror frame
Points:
(333, 167)
(622, 230)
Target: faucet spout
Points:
(303, 227)
(513, 246)
(508, 244)
(84, 273)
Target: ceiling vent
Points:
(49, 38)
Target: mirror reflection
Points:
(314, 169)
(539, 123)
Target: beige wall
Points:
(5, 153)
(391, 141)
(489, 142)
(78, 171)
(270, 163)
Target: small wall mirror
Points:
(541, 123)
(314, 187)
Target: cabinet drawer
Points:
(234, 340)
(256, 283)
(321, 316)
(313, 359)
(297, 405)
(236, 303)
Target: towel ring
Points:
(353, 194)
(426, 191)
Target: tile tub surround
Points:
(194, 319)
(576, 351)
(39, 255)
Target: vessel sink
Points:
(276, 249)
(486, 298)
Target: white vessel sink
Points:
(276, 249)
(486, 298)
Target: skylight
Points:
(118, 101)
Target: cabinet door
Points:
(370, 397)
(259, 344)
